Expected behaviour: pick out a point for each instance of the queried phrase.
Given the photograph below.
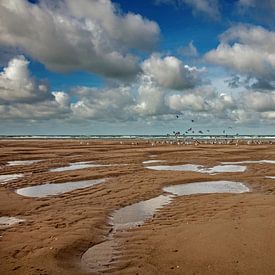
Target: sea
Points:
(139, 137)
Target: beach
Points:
(194, 234)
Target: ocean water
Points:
(199, 137)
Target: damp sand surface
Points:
(203, 234)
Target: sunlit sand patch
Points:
(7, 178)
(250, 162)
(21, 162)
(199, 168)
(152, 161)
(6, 221)
(77, 166)
(52, 189)
(100, 256)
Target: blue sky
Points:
(129, 67)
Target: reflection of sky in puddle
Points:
(250, 162)
(21, 162)
(76, 166)
(51, 189)
(270, 177)
(206, 187)
(137, 213)
(9, 221)
(152, 161)
(199, 168)
(6, 178)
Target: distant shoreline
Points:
(138, 137)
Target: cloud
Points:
(262, 11)
(189, 51)
(203, 100)
(207, 7)
(170, 72)
(93, 36)
(108, 104)
(16, 84)
(247, 50)
(24, 97)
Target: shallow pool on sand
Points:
(200, 168)
(52, 189)
(6, 221)
(22, 162)
(251, 162)
(99, 256)
(206, 188)
(77, 166)
(6, 178)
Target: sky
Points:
(98, 67)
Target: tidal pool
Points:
(152, 161)
(206, 188)
(6, 178)
(22, 162)
(250, 162)
(200, 168)
(6, 221)
(52, 189)
(135, 214)
(76, 166)
(99, 256)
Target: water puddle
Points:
(270, 177)
(77, 166)
(206, 188)
(100, 256)
(185, 167)
(6, 178)
(224, 169)
(152, 161)
(6, 221)
(52, 189)
(21, 162)
(199, 168)
(135, 214)
(251, 162)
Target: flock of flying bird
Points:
(191, 130)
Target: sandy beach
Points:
(194, 234)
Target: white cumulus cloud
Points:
(71, 35)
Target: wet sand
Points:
(197, 234)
